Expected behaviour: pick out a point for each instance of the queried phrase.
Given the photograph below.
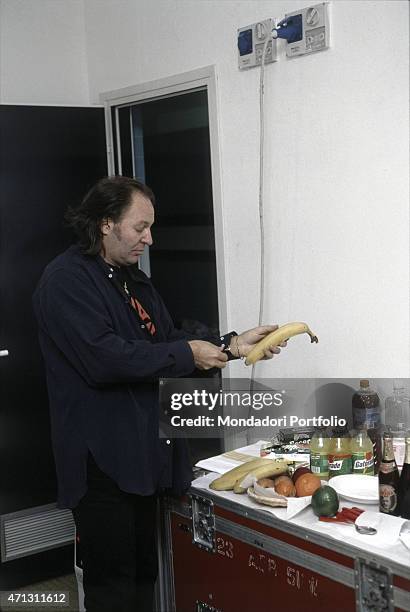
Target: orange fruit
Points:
(307, 484)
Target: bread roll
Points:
(285, 486)
(278, 479)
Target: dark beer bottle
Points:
(388, 479)
(404, 483)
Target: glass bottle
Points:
(362, 453)
(397, 417)
(367, 413)
(340, 453)
(319, 451)
(404, 483)
(388, 479)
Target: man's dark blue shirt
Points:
(103, 364)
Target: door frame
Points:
(202, 78)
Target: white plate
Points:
(356, 487)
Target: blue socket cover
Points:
(245, 42)
(290, 28)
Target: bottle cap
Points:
(364, 383)
(398, 384)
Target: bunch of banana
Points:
(275, 338)
(260, 468)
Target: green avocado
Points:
(325, 501)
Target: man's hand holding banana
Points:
(242, 345)
(254, 344)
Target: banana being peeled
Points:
(262, 471)
(275, 338)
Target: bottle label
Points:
(388, 498)
(387, 468)
(371, 417)
(319, 464)
(399, 450)
(363, 463)
(340, 464)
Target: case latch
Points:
(374, 589)
(203, 523)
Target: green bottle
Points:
(362, 453)
(319, 452)
(340, 453)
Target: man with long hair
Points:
(107, 337)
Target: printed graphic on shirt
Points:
(143, 315)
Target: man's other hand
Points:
(207, 355)
(248, 339)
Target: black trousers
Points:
(117, 545)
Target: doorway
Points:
(165, 143)
(165, 134)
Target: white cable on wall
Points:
(261, 179)
(260, 199)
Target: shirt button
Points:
(168, 441)
(110, 276)
(142, 326)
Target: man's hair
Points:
(108, 199)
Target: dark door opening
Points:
(165, 143)
(49, 156)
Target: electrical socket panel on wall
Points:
(315, 30)
(251, 40)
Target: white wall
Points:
(336, 198)
(337, 211)
(42, 52)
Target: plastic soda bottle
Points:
(366, 407)
(367, 413)
(398, 419)
(362, 453)
(319, 451)
(340, 453)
